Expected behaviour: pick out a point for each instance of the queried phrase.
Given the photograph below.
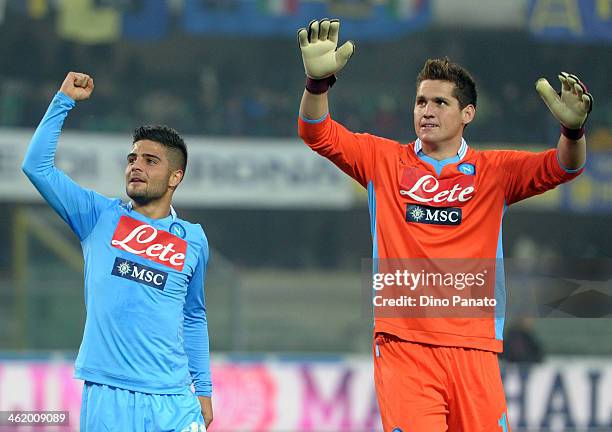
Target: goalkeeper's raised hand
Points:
(321, 55)
(571, 106)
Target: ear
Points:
(176, 177)
(468, 113)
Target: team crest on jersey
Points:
(467, 168)
(421, 187)
(433, 215)
(142, 239)
(139, 273)
(178, 230)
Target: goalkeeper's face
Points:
(438, 118)
(148, 174)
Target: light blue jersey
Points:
(146, 328)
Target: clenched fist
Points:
(77, 86)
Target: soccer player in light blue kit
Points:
(146, 336)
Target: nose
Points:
(428, 111)
(137, 164)
(134, 169)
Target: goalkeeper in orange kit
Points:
(437, 197)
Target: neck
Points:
(155, 209)
(441, 151)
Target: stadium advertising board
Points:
(560, 394)
(254, 173)
(578, 20)
(270, 173)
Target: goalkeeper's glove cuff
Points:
(319, 86)
(573, 134)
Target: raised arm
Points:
(352, 152)
(322, 60)
(313, 106)
(40, 157)
(571, 107)
(77, 206)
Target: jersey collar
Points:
(129, 206)
(463, 148)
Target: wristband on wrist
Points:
(573, 134)
(319, 86)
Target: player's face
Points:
(438, 118)
(147, 175)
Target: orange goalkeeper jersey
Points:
(423, 208)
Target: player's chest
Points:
(160, 257)
(451, 196)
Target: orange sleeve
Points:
(352, 152)
(525, 174)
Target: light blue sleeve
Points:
(196, 328)
(77, 206)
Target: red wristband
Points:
(319, 86)
(573, 134)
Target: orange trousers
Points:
(427, 388)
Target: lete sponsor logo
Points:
(141, 239)
(422, 187)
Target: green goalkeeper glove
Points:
(321, 55)
(571, 107)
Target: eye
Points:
(152, 161)
(131, 159)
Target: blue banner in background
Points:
(148, 20)
(571, 20)
(361, 19)
(95, 21)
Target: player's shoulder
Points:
(386, 146)
(108, 203)
(192, 229)
(389, 142)
(490, 156)
(193, 233)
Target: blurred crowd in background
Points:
(251, 86)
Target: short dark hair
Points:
(167, 137)
(445, 70)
